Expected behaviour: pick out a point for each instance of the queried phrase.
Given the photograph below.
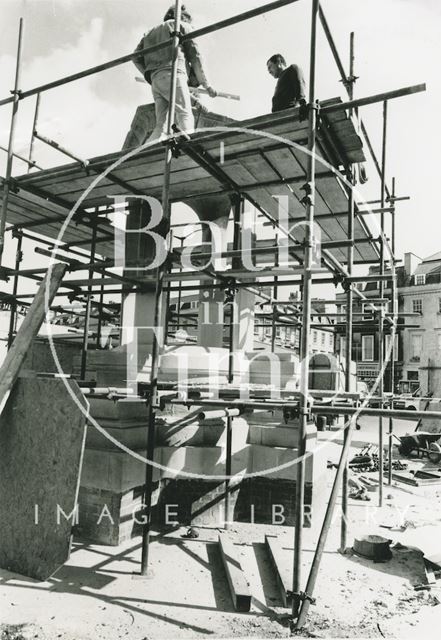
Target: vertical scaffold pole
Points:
(178, 308)
(349, 310)
(13, 316)
(381, 314)
(34, 128)
(85, 345)
(11, 142)
(166, 211)
(167, 299)
(237, 213)
(274, 314)
(99, 327)
(393, 352)
(306, 327)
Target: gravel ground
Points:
(98, 595)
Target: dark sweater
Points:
(290, 88)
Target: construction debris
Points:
(369, 460)
(375, 548)
(418, 478)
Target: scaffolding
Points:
(350, 242)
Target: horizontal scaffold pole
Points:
(30, 163)
(378, 97)
(58, 147)
(197, 33)
(316, 409)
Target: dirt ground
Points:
(98, 594)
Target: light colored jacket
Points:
(189, 56)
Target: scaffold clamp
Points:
(339, 279)
(12, 184)
(291, 413)
(347, 286)
(308, 198)
(302, 595)
(230, 290)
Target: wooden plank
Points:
(239, 587)
(277, 124)
(42, 437)
(144, 173)
(429, 570)
(282, 569)
(285, 163)
(141, 182)
(29, 330)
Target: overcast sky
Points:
(397, 44)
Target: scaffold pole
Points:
(15, 99)
(349, 307)
(305, 339)
(153, 400)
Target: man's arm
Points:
(139, 60)
(301, 84)
(194, 58)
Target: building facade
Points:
(286, 336)
(421, 293)
(418, 337)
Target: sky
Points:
(397, 43)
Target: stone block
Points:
(193, 460)
(121, 409)
(42, 435)
(115, 471)
(196, 501)
(110, 518)
(131, 435)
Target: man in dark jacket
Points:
(290, 89)
(156, 68)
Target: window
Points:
(387, 344)
(439, 305)
(331, 341)
(323, 338)
(342, 346)
(367, 348)
(367, 310)
(314, 337)
(369, 373)
(420, 278)
(416, 344)
(417, 305)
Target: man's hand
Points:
(303, 110)
(211, 92)
(197, 104)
